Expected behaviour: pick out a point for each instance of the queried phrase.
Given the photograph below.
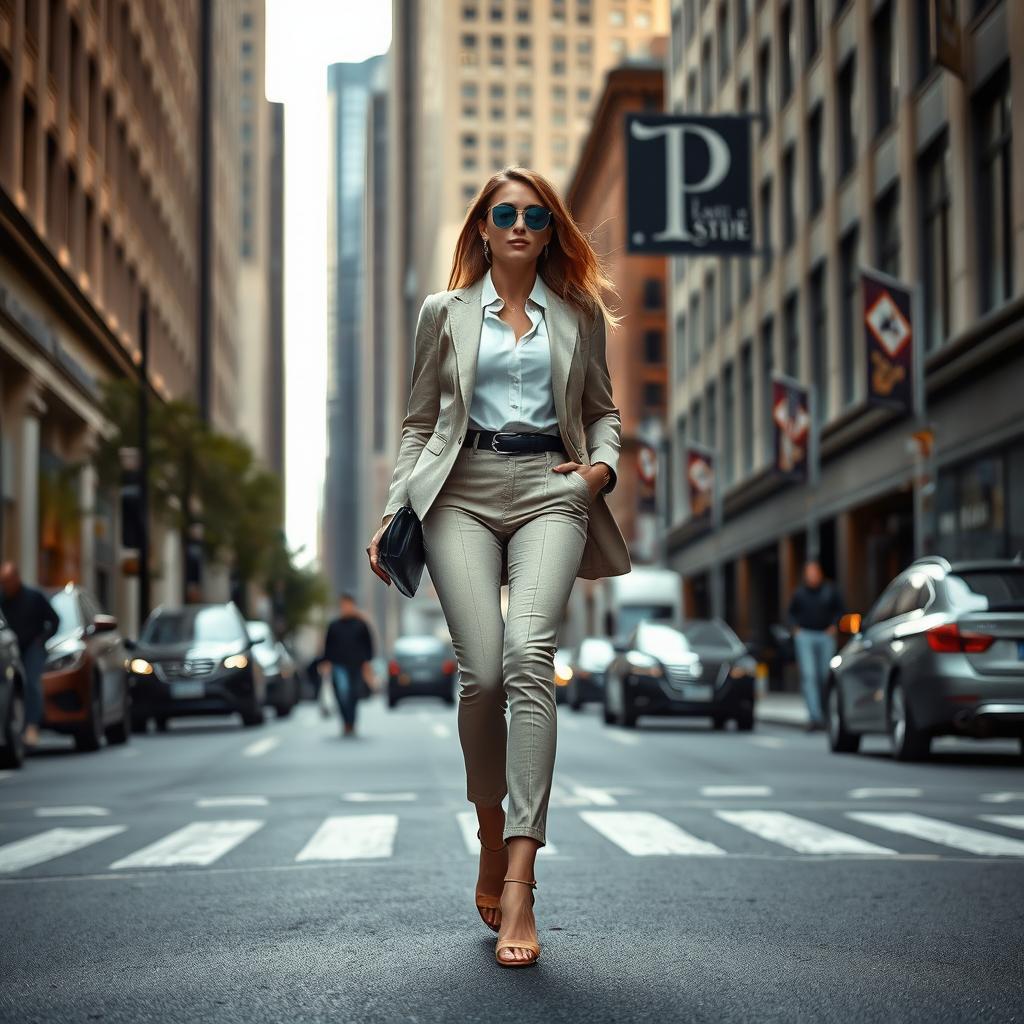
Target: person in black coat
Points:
(348, 648)
(33, 620)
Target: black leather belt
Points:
(507, 442)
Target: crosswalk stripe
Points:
(642, 834)
(711, 791)
(352, 837)
(55, 842)
(201, 843)
(944, 833)
(71, 812)
(261, 747)
(468, 825)
(1008, 820)
(872, 792)
(232, 801)
(798, 833)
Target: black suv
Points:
(195, 660)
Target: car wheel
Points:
(121, 732)
(449, 699)
(161, 723)
(840, 740)
(283, 710)
(13, 753)
(253, 717)
(140, 724)
(392, 702)
(718, 723)
(908, 742)
(745, 720)
(90, 736)
(609, 718)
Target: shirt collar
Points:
(489, 295)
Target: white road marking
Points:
(799, 834)
(735, 790)
(261, 747)
(960, 837)
(71, 812)
(643, 834)
(868, 793)
(1001, 798)
(441, 730)
(55, 842)
(769, 742)
(232, 801)
(1008, 820)
(201, 843)
(373, 798)
(627, 739)
(595, 795)
(5, 775)
(352, 837)
(468, 825)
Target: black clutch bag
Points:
(400, 550)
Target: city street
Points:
(284, 873)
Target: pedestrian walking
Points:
(33, 620)
(814, 612)
(348, 648)
(509, 446)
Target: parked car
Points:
(12, 700)
(588, 672)
(196, 660)
(701, 669)
(86, 688)
(941, 652)
(421, 666)
(278, 667)
(562, 673)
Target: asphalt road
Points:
(284, 874)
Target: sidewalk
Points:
(781, 709)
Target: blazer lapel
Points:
(465, 318)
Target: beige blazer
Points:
(443, 377)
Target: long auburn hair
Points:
(572, 268)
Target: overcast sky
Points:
(303, 37)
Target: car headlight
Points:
(64, 662)
(563, 673)
(140, 667)
(641, 664)
(236, 661)
(742, 668)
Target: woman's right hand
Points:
(372, 551)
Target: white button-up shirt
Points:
(513, 378)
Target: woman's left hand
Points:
(599, 471)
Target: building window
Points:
(812, 29)
(654, 293)
(696, 422)
(846, 98)
(705, 74)
(764, 86)
(746, 280)
(711, 404)
(725, 279)
(767, 368)
(935, 243)
(747, 407)
(815, 167)
(616, 17)
(694, 328)
(692, 101)
(887, 232)
(729, 424)
(654, 395)
(469, 12)
(680, 346)
(742, 20)
(744, 100)
(767, 256)
(710, 327)
(818, 340)
(849, 312)
(653, 346)
(678, 42)
(886, 60)
(922, 31)
(789, 197)
(791, 335)
(995, 192)
(689, 20)
(786, 53)
(724, 41)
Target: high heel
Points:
(486, 900)
(528, 944)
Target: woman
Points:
(509, 445)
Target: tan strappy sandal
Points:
(528, 944)
(486, 900)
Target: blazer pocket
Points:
(436, 443)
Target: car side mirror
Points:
(851, 623)
(104, 624)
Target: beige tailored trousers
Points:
(492, 504)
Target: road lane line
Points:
(643, 834)
(799, 834)
(201, 843)
(373, 798)
(71, 812)
(735, 790)
(768, 742)
(595, 795)
(1008, 820)
(468, 824)
(441, 730)
(944, 833)
(232, 801)
(261, 747)
(868, 792)
(56, 842)
(627, 739)
(5, 775)
(352, 837)
(1001, 798)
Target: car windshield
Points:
(419, 645)
(989, 590)
(709, 634)
(662, 641)
(66, 607)
(631, 615)
(595, 653)
(217, 625)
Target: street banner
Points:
(947, 39)
(791, 417)
(888, 334)
(688, 184)
(700, 477)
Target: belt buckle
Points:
(496, 435)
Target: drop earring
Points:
(487, 251)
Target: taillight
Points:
(448, 667)
(948, 639)
(393, 668)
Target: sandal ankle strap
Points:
(491, 849)
(533, 885)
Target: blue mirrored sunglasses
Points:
(536, 218)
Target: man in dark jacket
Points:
(814, 613)
(33, 621)
(348, 649)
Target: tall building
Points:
(275, 378)
(868, 153)
(350, 87)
